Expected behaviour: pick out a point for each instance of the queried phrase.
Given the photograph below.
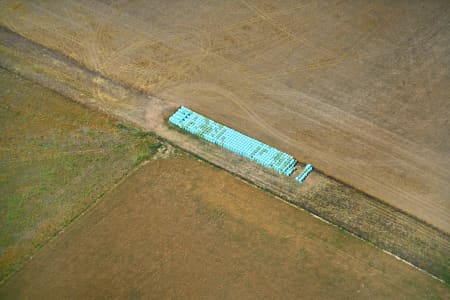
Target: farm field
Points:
(378, 223)
(56, 159)
(360, 90)
(180, 228)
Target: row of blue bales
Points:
(237, 142)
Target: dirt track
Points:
(359, 90)
(166, 233)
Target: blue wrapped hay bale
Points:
(234, 141)
(308, 169)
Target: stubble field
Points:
(358, 89)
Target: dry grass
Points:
(56, 159)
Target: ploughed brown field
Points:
(180, 228)
(359, 89)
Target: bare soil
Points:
(179, 228)
(360, 90)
